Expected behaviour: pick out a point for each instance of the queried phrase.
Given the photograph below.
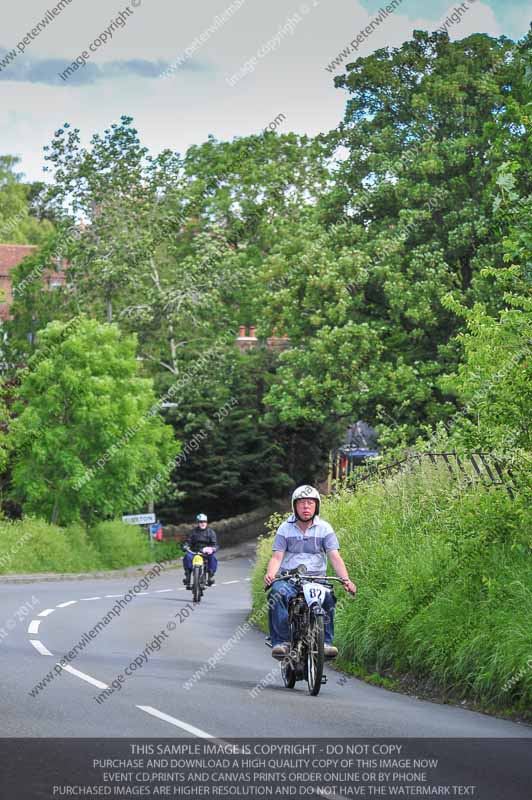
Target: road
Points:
(219, 701)
(162, 698)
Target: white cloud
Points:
(479, 18)
(184, 108)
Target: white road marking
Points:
(164, 590)
(141, 593)
(114, 595)
(40, 647)
(68, 603)
(46, 612)
(224, 583)
(34, 626)
(177, 722)
(247, 579)
(85, 677)
(91, 598)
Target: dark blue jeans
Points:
(212, 563)
(279, 595)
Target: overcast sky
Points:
(212, 91)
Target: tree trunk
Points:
(55, 512)
(173, 346)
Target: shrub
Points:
(33, 545)
(444, 574)
(120, 544)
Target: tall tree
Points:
(19, 222)
(410, 218)
(237, 460)
(85, 440)
(139, 257)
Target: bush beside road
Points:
(32, 545)
(444, 575)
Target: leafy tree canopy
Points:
(85, 438)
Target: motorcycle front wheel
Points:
(315, 657)
(196, 585)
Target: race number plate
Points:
(314, 593)
(197, 561)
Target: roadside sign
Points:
(139, 519)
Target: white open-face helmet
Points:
(306, 492)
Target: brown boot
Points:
(280, 650)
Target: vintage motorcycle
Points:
(306, 658)
(199, 575)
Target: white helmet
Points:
(306, 492)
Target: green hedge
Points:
(444, 574)
(120, 544)
(33, 545)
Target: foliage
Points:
(394, 252)
(120, 544)
(494, 379)
(33, 308)
(239, 463)
(170, 242)
(85, 442)
(408, 220)
(32, 545)
(18, 222)
(4, 441)
(444, 583)
(494, 383)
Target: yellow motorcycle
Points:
(199, 575)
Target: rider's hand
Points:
(268, 580)
(208, 550)
(349, 586)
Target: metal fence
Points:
(482, 468)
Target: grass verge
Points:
(444, 573)
(32, 545)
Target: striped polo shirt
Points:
(309, 548)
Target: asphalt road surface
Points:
(175, 691)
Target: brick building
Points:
(247, 341)
(10, 256)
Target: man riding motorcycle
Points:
(306, 539)
(201, 539)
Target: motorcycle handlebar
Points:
(294, 574)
